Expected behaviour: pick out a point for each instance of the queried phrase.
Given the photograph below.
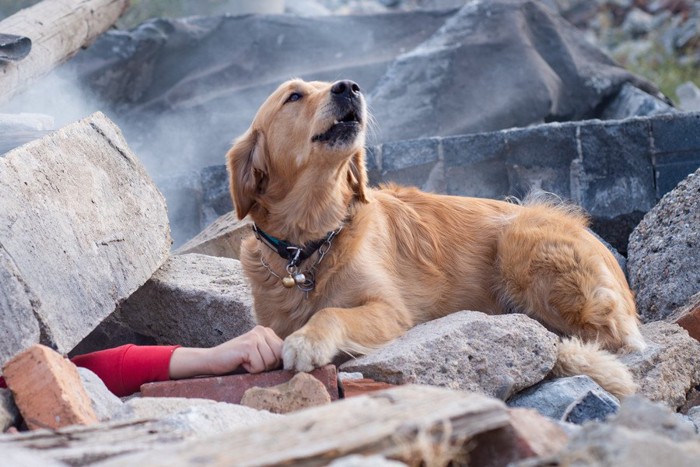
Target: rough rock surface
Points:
(496, 355)
(575, 399)
(200, 417)
(300, 392)
(192, 300)
(484, 42)
(638, 413)
(670, 365)
(664, 252)
(221, 238)
(82, 226)
(8, 410)
(104, 403)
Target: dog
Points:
(337, 267)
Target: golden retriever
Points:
(339, 267)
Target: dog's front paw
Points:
(301, 352)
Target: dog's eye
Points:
(295, 96)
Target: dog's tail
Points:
(587, 358)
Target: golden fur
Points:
(404, 256)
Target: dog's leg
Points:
(552, 269)
(355, 331)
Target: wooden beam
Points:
(58, 29)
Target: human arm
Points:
(258, 350)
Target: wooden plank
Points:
(57, 29)
(413, 424)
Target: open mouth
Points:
(342, 129)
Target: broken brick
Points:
(230, 388)
(47, 389)
(358, 387)
(300, 392)
(690, 321)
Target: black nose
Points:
(345, 88)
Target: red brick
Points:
(690, 321)
(231, 388)
(47, 389)
(358, 387)
(529, 434)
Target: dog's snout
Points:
(345, 88)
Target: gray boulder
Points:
(670, 365)
(664, 252)
(192, 300)
(104, 403)
(461, 79)
(9, 413)
(575, 399)
(82, 226)
(638, 413)
(599, 444)
(495, 355)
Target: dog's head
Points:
(304, 133)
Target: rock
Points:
(604, 444)
(230, 388)
(404, 423)
(631, 101)
(670, 365)
(192, 300)
(300, 392)
(575, 399)
(527, 435)
(221, 238)
(194, 417)
(482, 44)
(694, 416)
(9, 414)
(664, 252)
(28, 458)
(81, 228)
(47, 389)
(688, 317)
(689, 97)
(495, 355)
(104, 403)
(637, 22)
(638, 413)
(109, 334)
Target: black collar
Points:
(294, 254)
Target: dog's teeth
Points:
(336, 122)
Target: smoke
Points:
(58, 95)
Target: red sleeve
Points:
(124, 369)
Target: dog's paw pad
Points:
(301, 354)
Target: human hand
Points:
(258, 350)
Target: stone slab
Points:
(82, 226)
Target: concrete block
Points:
(475, 165)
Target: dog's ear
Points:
(247, 170)
(357, 175)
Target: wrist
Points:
(187, 362)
